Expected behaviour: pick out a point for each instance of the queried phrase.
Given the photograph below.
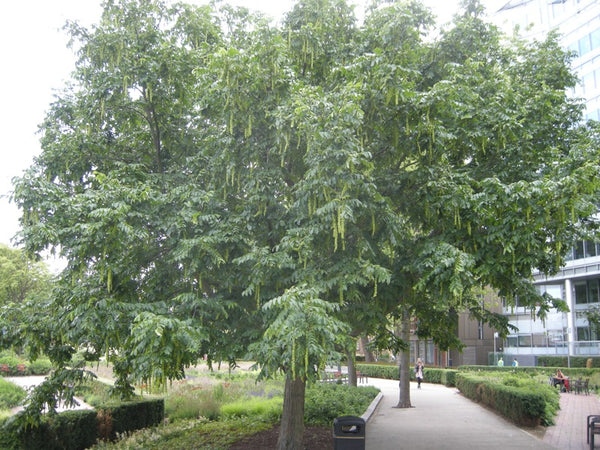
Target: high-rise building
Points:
(578, 283)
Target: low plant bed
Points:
(237, 412)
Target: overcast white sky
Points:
(36, 62)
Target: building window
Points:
(586, 334)
(587, 291)
(584, 45)
(579, 250)
(569, 255)
(583, 249)
(590, 249)
(592, 286)
(595, 38)
(580, 292)
(524, 340)
(480, 329)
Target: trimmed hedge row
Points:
(572, 372)
(131, 416)
(390, 372)
(71, 430)
(325, 402)
(385, 371)
(563, 361)
(530, 406)
(78, 430)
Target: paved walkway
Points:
(28, 382)
(442, 418)
(571, 424)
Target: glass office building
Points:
(578, 283)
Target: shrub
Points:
(268, 409)
(96, 393)
(191, 434)
(11, 395)
(564, 361)
(386, 371)
(9, 365)
(40, 366)
(186, 406)
(68, 430)
(521, 399)
(390, 372)
(325, 402)
(125, 417)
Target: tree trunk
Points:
(369, 357)
(404, 362)
(292, 419)
(351, 368)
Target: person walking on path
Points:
(419, 372)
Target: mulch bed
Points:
(315, 438)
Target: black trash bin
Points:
(349, 433)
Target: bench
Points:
(335, 377)
(593, 428)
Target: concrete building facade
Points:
(578, 283)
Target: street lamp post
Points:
(495, 347)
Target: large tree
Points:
(221, 186)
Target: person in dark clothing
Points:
(419, 372)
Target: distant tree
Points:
(21, 277)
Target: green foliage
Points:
(80, 429)
(325, 402)
(446, 377)
(20, 277)
(122, 418)
(225, 185)
(68, 430)
(268, 409)
(386, 371)
(563, 361)
(96, 393)
(182, 406)
(40, 366)
(11, 395)
(184, 435)
(523, 400)
(390, 372)
(11, 364)
(301, 336)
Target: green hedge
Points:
(120, 418)
(325, 402)
(572, 372)
(78, 430)
(70, 430)
(521, 400)
(390, 372)
(386, 371)
(563, 361)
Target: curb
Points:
(371, 409)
